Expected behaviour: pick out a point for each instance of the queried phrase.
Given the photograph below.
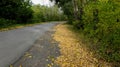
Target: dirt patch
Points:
(72, 53)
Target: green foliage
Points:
(5, 23)
(19, 10)
(106, 30)
(99, 20)
(67, 7)
(23, 12)
(44, 13)
(68, 10)
(15, 12)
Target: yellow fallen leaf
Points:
(49, 65)
(20, 65)
(52, 64)
(11, 65)
(30, 56)
(73, 53)
(46, 59)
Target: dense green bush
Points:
(5, 22)
(106, 30)
(15, 12)
(18, 10)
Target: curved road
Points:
(14, 43)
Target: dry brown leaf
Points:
(72, 53)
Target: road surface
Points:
(14, 43)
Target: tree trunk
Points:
(75, 9)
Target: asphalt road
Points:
(14, 43)
(42, 54)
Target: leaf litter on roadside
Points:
(28, 55)
(72, 53)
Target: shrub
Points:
(106, 30)
(5, 22)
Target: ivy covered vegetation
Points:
(99, 21)
(14, 12)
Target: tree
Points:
(18, 10)
(99, 21)
(45, 13)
